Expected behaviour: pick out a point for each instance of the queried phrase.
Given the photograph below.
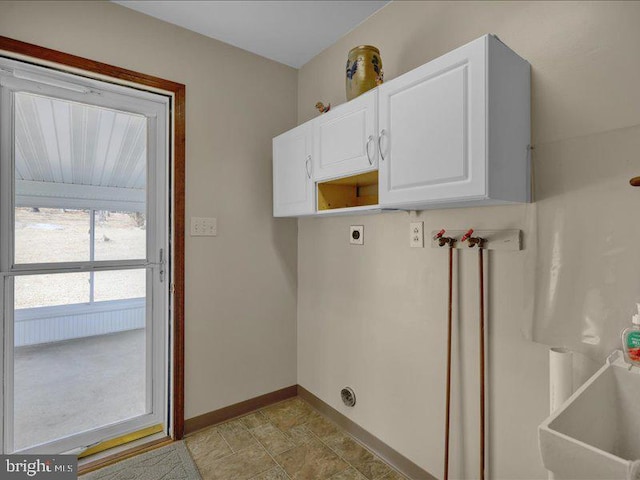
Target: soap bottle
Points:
(631, 340)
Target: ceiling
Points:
(72, 155)
(289, 32)
(75, 144)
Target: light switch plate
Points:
(204, 226)
(416, 235)
(356, 235)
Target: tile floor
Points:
(286, 441)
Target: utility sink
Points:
(596, 432)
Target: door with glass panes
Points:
(83, 249)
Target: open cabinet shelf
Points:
(348, 192)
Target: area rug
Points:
(172, 462)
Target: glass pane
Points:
(120, 285)
(74, 158)
(51, 235)
(33, 291)
(76, 367)
(120, 235)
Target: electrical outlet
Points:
(356, 235)
(204, 227)
(416, 235)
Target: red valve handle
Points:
(467, 235)
(439, 234)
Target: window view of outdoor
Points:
(51, 235)
(95, 324)
(120, 236)
(81, 346)
(79, 364)
(119, 284)
(65, 387)
(57, 235)
(33, 291)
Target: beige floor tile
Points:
(254, 420)
(300, 434)
(301, 405)
(272, 439)
(288, 414)
(368, 464)
(305, 445)
(236, 435)
(243, 465)
(311, 461)
(207, 443)
(350, 474)
(320, 426)
(372, 468)
(273, 474)
(393, 476)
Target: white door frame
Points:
(18, 76)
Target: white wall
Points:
(374, 317)
(240, 285)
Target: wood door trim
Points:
(15, 47)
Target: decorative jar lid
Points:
(365, 47)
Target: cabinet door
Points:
(345, 138)
(293, 192)
(433, 130)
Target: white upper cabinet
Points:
(293, 186)
(456, 130)
(345, 138)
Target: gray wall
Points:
(374, 317)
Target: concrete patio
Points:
(67, 387)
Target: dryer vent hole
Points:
(348, 396)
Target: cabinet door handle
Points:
(306, 166)
(382, 133)
(366, 147)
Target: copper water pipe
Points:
(479, 242)
(482, 359)
(442, 241)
